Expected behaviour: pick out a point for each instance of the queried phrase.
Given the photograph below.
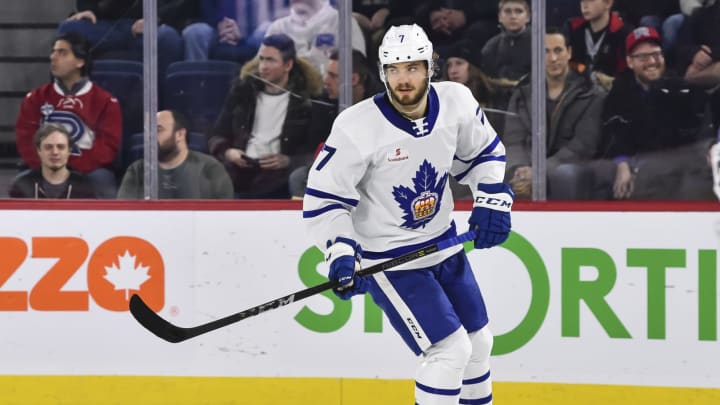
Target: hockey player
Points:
(381, 183)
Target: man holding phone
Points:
(262, 132)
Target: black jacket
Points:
(671, 113)
(574, 124)
(610, 58)
(29, 185)
(701, 28)
(176, 13)
(234, 125)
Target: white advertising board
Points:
(577, 297)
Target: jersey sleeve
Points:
(108, 135)
(331, 193)
(28, 122)
(480, 155)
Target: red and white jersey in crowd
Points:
(92, 115)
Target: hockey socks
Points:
(477, 383)
(439, 378)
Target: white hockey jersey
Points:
(382, 179)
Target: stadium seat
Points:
(198, 90)
(203, 66)
(124, 80)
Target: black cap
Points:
(464, 49)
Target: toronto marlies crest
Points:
(422, 203)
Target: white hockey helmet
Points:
(405, 43)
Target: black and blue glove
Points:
(490, 217)
(344, 259)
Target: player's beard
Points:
(168, 150)
(406, 100)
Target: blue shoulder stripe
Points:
(482, 117)
(320, 211)
(482, 157)
(479, 161)
(485, 151)
(321, 194)
(492, 146)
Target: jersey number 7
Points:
(330, 152)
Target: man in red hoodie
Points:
(90, 113)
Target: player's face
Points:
(63, 63)
(407, 81)
(647, 61)
(513, 16)
(54, 151)
(458, 70)
(272, 68)
(332, 80)
(167, 136)
(557, 56)
(594, 9)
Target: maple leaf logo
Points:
(422, 202)
(127, 276)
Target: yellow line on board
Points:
(102, 390)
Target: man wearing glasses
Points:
(656, 132)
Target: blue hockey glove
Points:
(344, 258)
(490, 216)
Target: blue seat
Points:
(203, 66)
(136, 145)
(198, 90)
(124, 80)
(117, 65)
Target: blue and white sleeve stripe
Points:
(486, 155)
(329, 202)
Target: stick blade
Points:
(154, 322)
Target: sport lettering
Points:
(498, 202)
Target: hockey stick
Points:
(174, 334)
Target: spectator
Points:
(219, 36)
(371, 15)
(262, 132)
(52, 179)
(462, 65)
(574, 106)
(182, 173)
(375, 16)
(313, 25)
(363, 85)
(663, 15)
(114, 28)
(91, 114)
(597, 40)
(558, 12)
(508, 54)
(446, 21)
(698, 51)
(646, 13)
(656, 134)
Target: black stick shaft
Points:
(174, 334)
